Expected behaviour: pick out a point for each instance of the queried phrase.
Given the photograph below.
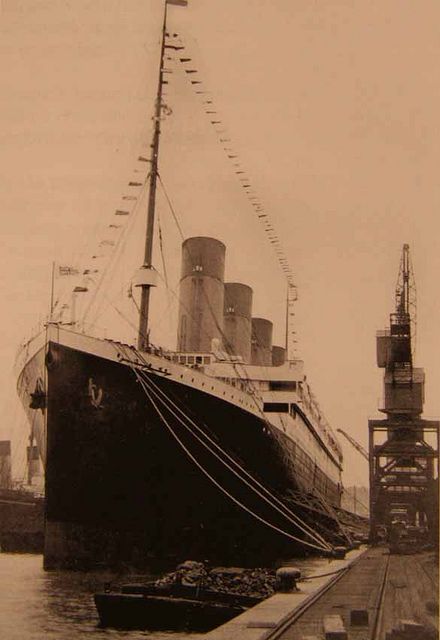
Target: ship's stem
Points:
(145, 288)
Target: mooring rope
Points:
(333, 514)
(322, 575)
(214, 481)
(287, 513)
(269, 498)
(323, 546)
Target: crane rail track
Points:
(376, 631)
(375, 627)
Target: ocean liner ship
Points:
(216, 450)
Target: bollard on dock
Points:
(286, 578)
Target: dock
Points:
(21, 521)
(370, 595)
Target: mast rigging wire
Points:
(176, 220)
(254, 200)
(114, 258)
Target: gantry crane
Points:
(403, 475)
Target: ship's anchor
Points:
(38, 397)
(95, 394)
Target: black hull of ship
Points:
(122, 492)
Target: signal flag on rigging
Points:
(67, 271)
(178, 3)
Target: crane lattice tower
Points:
(403, 466)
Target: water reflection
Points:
(37, 605)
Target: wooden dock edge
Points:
(261, 622)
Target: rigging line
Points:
(333, 514)
(317, 495)
(176, 220)
(193, 317)
(290, 516)
(170, 301)
(133, 326)
(99, 294)
(85, 248)
(80, 254)
(289, 278)
(158, 321)
(100, 308)
(295, 497)
(120, 313)
(351, 495)
(124, 317)
(221, 331)
(112, 260)
(162, 253)
(332, 533)
(214, 481)
(136, 306)
(98, 228)
(219, 328)
(115, 257)
(243, 377)
(127, 320)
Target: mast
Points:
(148, 279)
(52, 285)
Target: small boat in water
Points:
(191, 598)
(175, 607)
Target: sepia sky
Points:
(333, 110)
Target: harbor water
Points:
(58, 605)
(55, 605)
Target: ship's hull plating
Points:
(128, 484)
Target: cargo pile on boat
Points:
(259, 583)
